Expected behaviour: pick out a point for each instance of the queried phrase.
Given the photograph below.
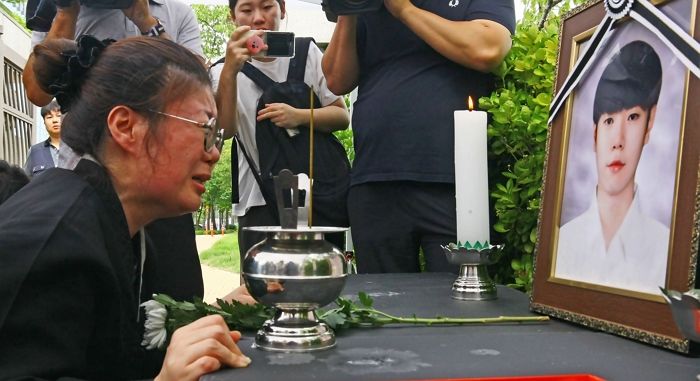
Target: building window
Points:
(17, 116)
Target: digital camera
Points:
(279, 44)
(40, 13)
(333, 8)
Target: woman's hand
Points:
(201, 347)
(282, 115)
(237, 52)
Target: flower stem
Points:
(388, 319)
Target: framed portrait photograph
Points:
(621, 194)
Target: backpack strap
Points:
(260, 79)
(297, 66)
(219, 61)
(235, 192)
(253, 168)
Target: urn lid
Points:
(300, 229)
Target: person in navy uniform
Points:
(44, 155)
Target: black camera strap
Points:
(235, 195)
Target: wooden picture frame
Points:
(594, 291)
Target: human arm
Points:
(31, 328)
(227, 90)
(340, 61)
(332, 117)
(478, 44)
(201, 347)
(63, 26)
(62, 305)
(141, 16)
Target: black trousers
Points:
(391, 221)
(266, 216)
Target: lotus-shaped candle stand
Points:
(473, 282)
(686, 312)
(296, 271)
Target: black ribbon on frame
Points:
(679, 41)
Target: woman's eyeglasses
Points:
(212, 136)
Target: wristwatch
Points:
(156, 30)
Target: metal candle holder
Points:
(473, 282)
(686, 312)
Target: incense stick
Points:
(311, 156)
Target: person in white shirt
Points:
(237, 99)
(614, 243)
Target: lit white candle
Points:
(471, 176)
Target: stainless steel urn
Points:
(296, 271)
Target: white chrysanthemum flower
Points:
(154, 334)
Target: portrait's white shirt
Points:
(635, 260)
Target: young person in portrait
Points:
(613, 243)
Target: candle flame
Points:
(470, 102)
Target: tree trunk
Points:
(200, 211)
(212, 216)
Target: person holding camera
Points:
(115, 19)
(414, 64)
(240, 114)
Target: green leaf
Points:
(365, 299)
(335, 320)
(533, 235)
(516, 264)
(499, 227)
(543, 99)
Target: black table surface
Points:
(414, 353)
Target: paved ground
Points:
(217, 283)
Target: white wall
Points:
(19, 41)
(15, 44)
(14, 37)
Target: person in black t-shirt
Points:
(414, 65)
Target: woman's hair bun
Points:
(61, 66)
